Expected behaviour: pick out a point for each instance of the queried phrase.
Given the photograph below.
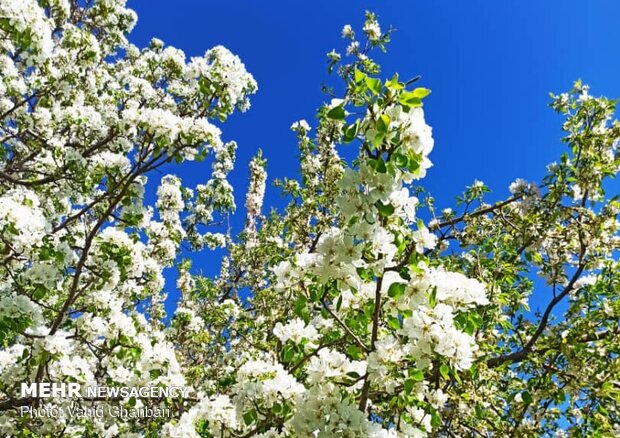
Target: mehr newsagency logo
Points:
(94, 394)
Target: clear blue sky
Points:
(490, 64)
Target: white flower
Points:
(300, 126)
(58, 343)
(347, 31)
(265, 381)
(405, 204)
(353, 48)
(27, 16)
(424, 239)
(518, 186)
(577, 193)
(335, 102)
(437, 398)
(456, 289)
(220, 66)
(218, 411)
(334, 56)
(327, 364)
(372, 30)
(295, 330)
(22, 221)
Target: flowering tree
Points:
(344, 315)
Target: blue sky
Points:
(490, 64)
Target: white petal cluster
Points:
(456, 289)
(26, 17)
(295, 330)
(372, 29)
(417, 136)
(431, 327)
(327, 364)
(323, 411)
(264, 382)
(218, 411)
(22, 222)
(256, 191)
(220, 66)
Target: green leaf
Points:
(421, 92)
(250, 417)
(409, 99)
(353, 375)
(374, 84)
(473, 323)
(378, 165)
(385, 210)
(393, 323)
(376, 142)
(560, 397)
(136, 352)
(399, 159)
(287, 354)
(537, 258)
(300, 305)
(337, 113)
(354, 352)
(393, 83)
(432, 297)
(414, 163)
(314, 296)
(444, 371)
(38, 293)
(350, 131)
(383, 123)
(396, 290)
(416, 375)
(457, 378)
(358, 76)
(435, 419)
(409, 384)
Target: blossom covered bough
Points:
(361, 319)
